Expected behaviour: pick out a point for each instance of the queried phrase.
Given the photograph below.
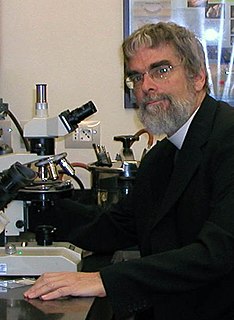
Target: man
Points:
(180, 212)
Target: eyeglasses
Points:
(134, 81)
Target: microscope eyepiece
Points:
(71, 118)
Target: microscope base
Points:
(33, 260)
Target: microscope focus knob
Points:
(19, 224)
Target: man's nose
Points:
(148, 83)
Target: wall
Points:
(74, 47)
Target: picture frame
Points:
(211, 21)
(127, 15)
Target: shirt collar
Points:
(178, 138)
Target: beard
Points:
(159, 120)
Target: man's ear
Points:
(199, 80)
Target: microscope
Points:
(21, 254)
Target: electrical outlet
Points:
(87, 133)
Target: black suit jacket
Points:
(181, 215)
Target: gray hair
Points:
(187, 46)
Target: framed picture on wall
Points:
(211, 21)
(127, 15)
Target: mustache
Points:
(156, 98)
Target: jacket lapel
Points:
(186, 165)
